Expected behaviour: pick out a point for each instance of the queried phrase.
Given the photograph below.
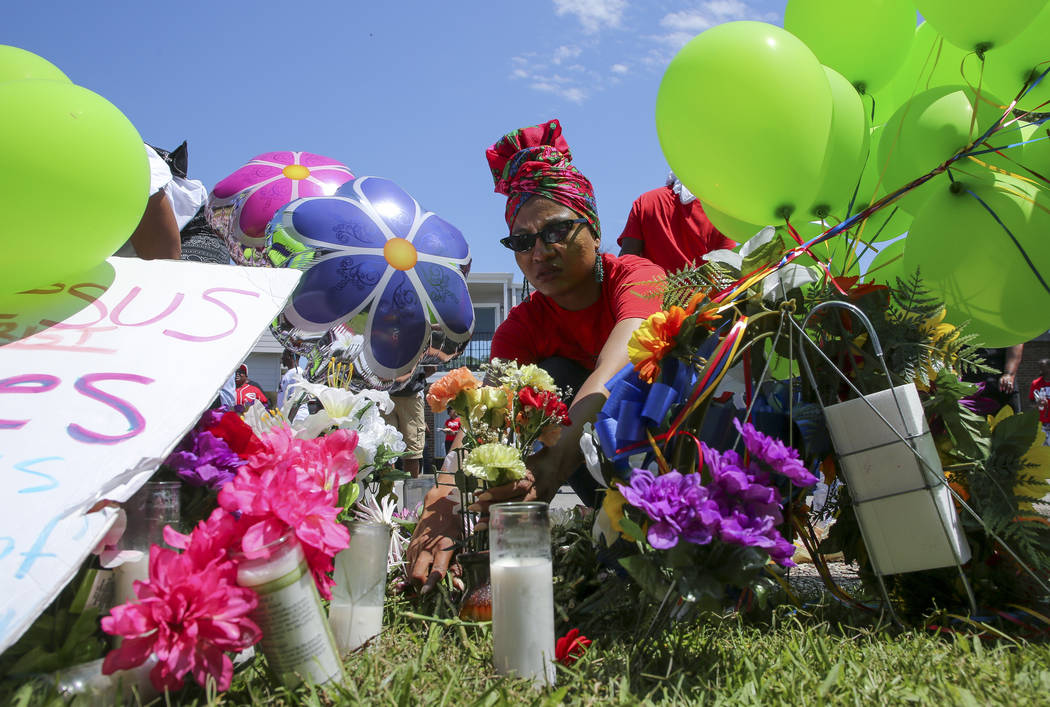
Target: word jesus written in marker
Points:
(45, 334)
(87, 386)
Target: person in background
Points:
(669, 227)
(409, 419)
(575, 326)
(1039, 393)
(248, 392)
(290, 364)
(452, 425)
(994, 390)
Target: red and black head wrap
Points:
(536, 161)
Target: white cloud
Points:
(619, 69)
(593, 14)
(573, 94)
(683, 25)
(565, 52)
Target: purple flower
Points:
(678, 505)
(205, 460)
(741, 528)
(781, 458)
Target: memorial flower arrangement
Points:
(503, 421)
(272, 478)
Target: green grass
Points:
(785, 658)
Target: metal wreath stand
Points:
(932, 477)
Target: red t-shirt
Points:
(248, 394)
(451, 428)
(673, 234)
(538, 328)
(1044, 412)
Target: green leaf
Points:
(631, 530)
(646, 571)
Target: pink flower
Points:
(188, 615)
(294, 484)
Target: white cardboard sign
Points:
(100, 377)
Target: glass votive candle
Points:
(356, 610)
(152, 507)
(296, 639)
(414, 490)
(522, 591)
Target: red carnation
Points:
(237, 434)
(570, 647)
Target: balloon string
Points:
(1020, 248)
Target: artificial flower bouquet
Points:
(700, 522)
(269, 479)
(502, 422)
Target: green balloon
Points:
(743, 115)
(885, 224)
(886, 267)
(865, 42)
(1008, 68)
(924, 133)
(17, 64)
(979, 24)
(734, 228)
(73, 184)
(967, 258)
(931, 62)
(846, 150)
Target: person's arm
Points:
(157, 235)
(1008, 381)
(432, 545)
(630, 246)
(552, 466)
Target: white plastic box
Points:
(902, 505)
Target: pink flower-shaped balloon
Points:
(271, 180)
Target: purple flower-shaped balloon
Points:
(379, 264)
(271, 180)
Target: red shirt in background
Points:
(451, 428)
(538, 328)
(248, 394)
(673, 234)
(1044, 412)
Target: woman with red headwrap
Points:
(576, 324)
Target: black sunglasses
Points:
(550, 234)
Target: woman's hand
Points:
(432, 545)
(536, 485)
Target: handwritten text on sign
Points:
(99, 377)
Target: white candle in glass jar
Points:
(296, 638)
(354, 624)
(523, 618)
(124, 577)
(356, 610)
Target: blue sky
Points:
(413, 91)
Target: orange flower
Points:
(652, 340)
(961, 490)
(655, 338)
(449, 386)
